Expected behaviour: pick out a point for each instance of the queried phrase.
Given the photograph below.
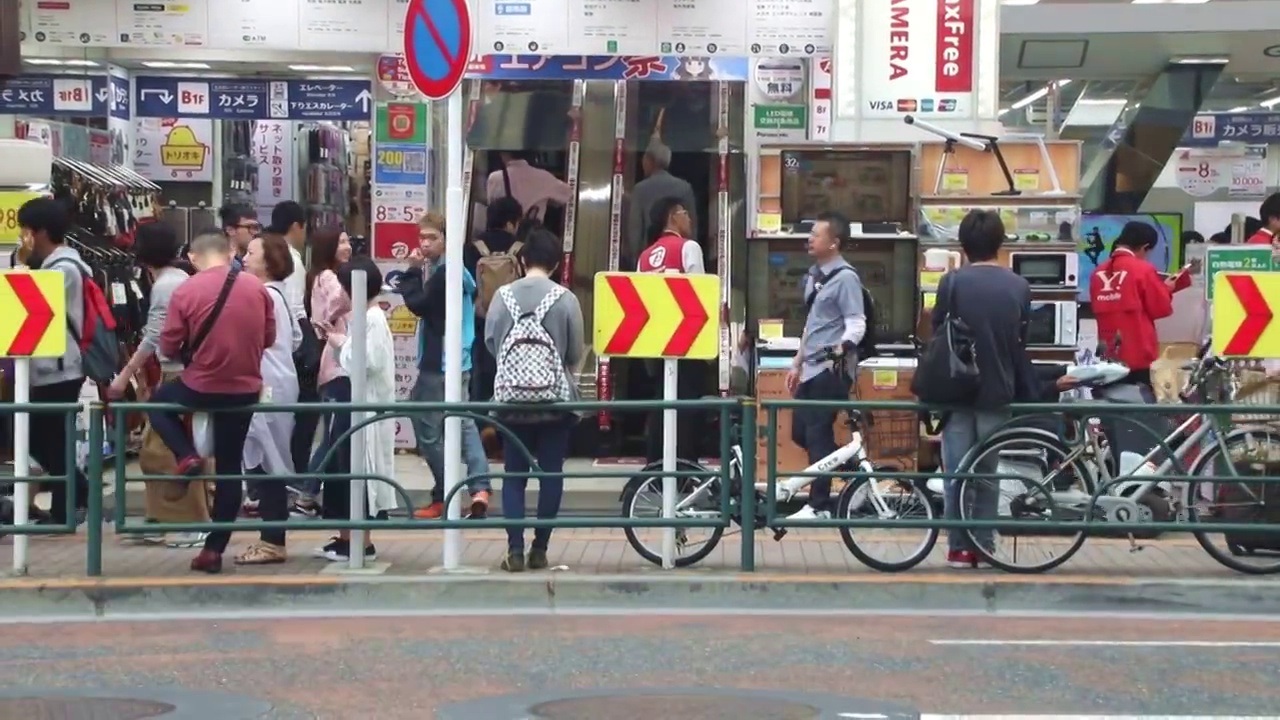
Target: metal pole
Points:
(670, 392)
(359, 373)
(455, 237)
(22, 462)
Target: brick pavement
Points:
(602, 551)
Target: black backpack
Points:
(867, 345)
(947, 373)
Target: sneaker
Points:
(249, 509)
(962, 559)
(186, 540)
(434, 511)
(191, 466)
(340, 551)
(479, 505)
(537, 559)
(303, 511)
(513, 562)
(808, 512)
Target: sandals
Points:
(262, 554)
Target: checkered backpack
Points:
(530, 369)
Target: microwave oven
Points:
(1047, 269)
(1052, 324)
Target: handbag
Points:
(189, 349)
(306, 359)
(947, 373)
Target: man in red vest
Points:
(1270, 214)
(672, 251)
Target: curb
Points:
(688, 591)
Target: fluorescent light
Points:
(1003, 112)
(166, 65)
(1270, 102)
(1242, 108)
(1038, 94)
(1099, 101)
(1168, 2)
(1200, 60)
(1020, 2)
(322, 68)
(60, 63)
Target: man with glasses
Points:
(240, 223)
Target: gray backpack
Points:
(530, 369)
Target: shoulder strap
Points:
(544, 306)
(515, 247)
(481, 247)
(71, 328)
(218, 305)
(506, 180)
(509, 300)
(821, 283)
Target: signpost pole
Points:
(21, 462)
(670, 392)
(359, 377)
(455, 237)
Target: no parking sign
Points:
(437, 44)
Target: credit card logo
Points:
(907, 105)
(947, 105)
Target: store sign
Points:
(1211, 129)
(119, 100)
(606, 67)
(1236, 259)
(174, 149)
(1240, 170)
(244, 99)
(918, 58)
(273, 150)
(397, 164)
(437, 43)
(70, 95)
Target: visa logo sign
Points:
(880, 104)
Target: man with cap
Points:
(657, 185)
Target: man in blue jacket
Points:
(423, 288)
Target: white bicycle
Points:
(701, 496)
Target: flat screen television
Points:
(1099, 231)
(867, 186)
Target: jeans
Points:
(814, 428)
(304, 437)
(548, 442)
(336, 498)
(229, 432)
(428, 427)
(966, 429)
(49, 440)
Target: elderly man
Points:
(657, 185)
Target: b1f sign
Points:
(918, 58)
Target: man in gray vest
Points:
(657, 185)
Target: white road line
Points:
(1111, 643)
(1099, 717)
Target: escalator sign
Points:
(437, 44)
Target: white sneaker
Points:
(809, 513)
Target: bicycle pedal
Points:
(779, 533)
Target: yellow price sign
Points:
(10, 202)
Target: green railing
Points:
(738, 426)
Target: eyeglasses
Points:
(251, 227)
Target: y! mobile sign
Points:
(918, 58)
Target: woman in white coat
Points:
(266, 449)
(380, 387)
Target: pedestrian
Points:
(380, 388)
(329, 312)
(995, 304)
(422, 287)
(1269, 212)
(240, 225)
(534, 329)
(43, 224)
(657, 186)
(220, 321)
(156, 248)
(267, 446)
(835, 322)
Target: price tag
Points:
(10, 202)
(1026, 180)
(955, 180)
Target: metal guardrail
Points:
(737, 427)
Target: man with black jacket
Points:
(423, 288)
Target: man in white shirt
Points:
(290, 220)
(532, 187)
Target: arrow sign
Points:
(1257, 315)
(651, 315)
(364, 98)
(33, 314)
(104, 94)
(164, 95)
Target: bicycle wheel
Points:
(1037, 467)
(1236, 502)
(905, 501)
(644, 500)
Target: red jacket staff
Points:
(1128, 296)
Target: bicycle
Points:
(1071, 468)
(700, 497)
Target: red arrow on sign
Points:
(39, 315)
(1257, 315)
(694, 317)
(634, 315)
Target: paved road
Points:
(410, 667)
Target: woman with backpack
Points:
(534, 331)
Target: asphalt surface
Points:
(390, 668)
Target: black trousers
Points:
(304, 437)
(273, 504)
(229, 432)
(691, 384)
(49, 440)
(814, 429)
